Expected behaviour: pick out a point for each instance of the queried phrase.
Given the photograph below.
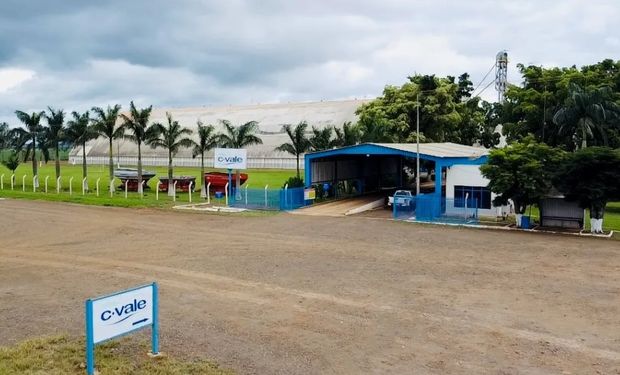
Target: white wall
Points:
(468, 175)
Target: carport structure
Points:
(374, 167)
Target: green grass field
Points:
(257, 178)
(65, 355)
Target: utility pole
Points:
(544, 111)
(417, 133)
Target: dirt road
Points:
(291, 294)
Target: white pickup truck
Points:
(403, 198)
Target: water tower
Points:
(501, 74)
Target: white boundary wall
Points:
(253, 163)
(469, 175)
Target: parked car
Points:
(403, 198)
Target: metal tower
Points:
(501, 74)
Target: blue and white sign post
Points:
(118, 314)
(230, 158)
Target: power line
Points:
(485, 77)
(485, 87)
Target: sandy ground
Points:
(293, 294)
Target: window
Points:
(477, 196)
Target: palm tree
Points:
(207, 140)
(239, 137)
(78, 132)
(321, 139)
(137, 124)
(12, 162)
(55, 133)
(347, 136)
(32, 129)
(586, 113)
(299, 143)
(171, 138)
(104, 124)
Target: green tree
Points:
(239, 137)
(171, 137)
(5, 136)
(78, 132)
(521, 172)
(347, 136)
(31, 131)
(12, 161)
(586, 114)
(299, 142)
(321, 139)
(104, 124)
(590, 176)
(207, 139)
(55, 133)
(136, 123)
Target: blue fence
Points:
(432, 208)
(262, 199)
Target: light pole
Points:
(417, 158)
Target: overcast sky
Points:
(74, 54)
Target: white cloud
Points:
(13, 77)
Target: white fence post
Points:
(266, 186)
(71, 186)
(2, 182)
(226, 193)
(174, 186)
(58, 185)
(12, 180)
(84, 185)
(208, 193)
(142, 189)
(112, 187)
(246, 194)
(35, 183)
(126, 181)
(285, 196)
(157, 189)
(46, 178)
(97, 183)
(190, 192)
(24, 183)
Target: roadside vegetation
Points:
(65, 355)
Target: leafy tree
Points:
(171, 137)
(299, 143)
(347, 136)
(5, 136)
(78, 132)
(55, 133)
(136, 123)
(207, 140)
(12, 162)
(294, 182)
(104, 124)
(239, 137)
(31, 131)
(586, 114)
(521, 172)
(321, 139)
(590, 176)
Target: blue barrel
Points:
(219, 194)
(525, 222)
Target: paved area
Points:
(292, 294)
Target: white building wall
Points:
(468, 175)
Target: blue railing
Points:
(268, 199)
(432, 208)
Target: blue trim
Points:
(155, 327)
(121, 292)
(90, 345)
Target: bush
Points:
(294, 182)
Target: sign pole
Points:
(90, 346)
(230, 182)
(155, 328)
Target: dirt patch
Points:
(297, 294)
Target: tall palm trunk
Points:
(203, 188)
(139, 168)
(297, 165)
(57, 161)
(34, 160)
(111, 160)
(171, 190)
(84, 170)
(584, 134)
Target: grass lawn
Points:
(64, 355)
(257, 178)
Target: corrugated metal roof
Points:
(439, 150)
